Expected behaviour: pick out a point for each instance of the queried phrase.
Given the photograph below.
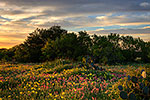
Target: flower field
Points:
(60, 81)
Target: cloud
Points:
(142, 33)
(147, 27)
(63, 23)
(81, 6)
(9, 40)
(144, 4)
(125, 19)
(2, 21)
(124, 31)
(16, 27)
(18, 17)
(6, 44)
(13, 35)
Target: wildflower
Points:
(144, 74)
(0, 98)
(50, 94)
(63, 93)
(101, 85)
(20, 92)
(33, 91)
(142, 71)
(82, 96)
(97, 89)
(92, 98)
(56, 96)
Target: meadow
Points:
(65, 80)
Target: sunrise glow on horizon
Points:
(125, 17)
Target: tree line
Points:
(49, 44)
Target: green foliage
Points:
(31, 49)
(67, 46)
(55, 42)
(65, 80)
(134, 79)
(132, 96)
(49, 50)
(123, 95)
(120, 87)
(135, 88)
(6, 55)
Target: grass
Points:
(60, 80)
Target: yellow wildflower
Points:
(63, 93)
(56, 96)
(50, 94)
(144, 74)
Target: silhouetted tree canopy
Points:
(55, 42)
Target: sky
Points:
(18, 18)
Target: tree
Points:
(31, 48)
(65, 47)
(52, 43)
(132, 48)
(2, 53)
(106, 49)
(21, 53)
(145, 51)
(49, 51)
(85, 42)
